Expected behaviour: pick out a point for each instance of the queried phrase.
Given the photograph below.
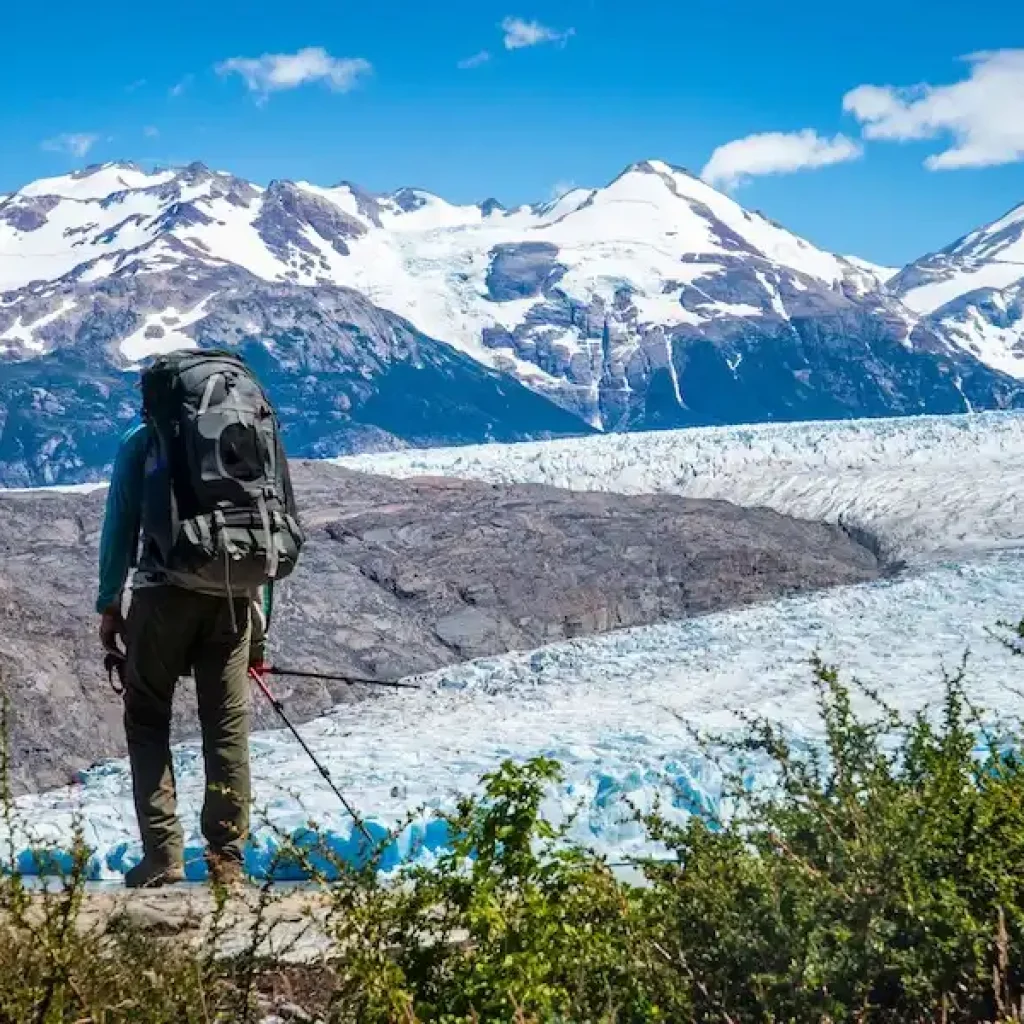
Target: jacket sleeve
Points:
(119, 541)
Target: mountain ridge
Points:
(655, 301)
(974, 290)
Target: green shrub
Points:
(511, 921)
(878, 880)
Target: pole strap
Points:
(114, 664)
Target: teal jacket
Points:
(122, 522)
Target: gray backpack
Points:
(217, 502)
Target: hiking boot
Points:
(225, 870)
(153, 873)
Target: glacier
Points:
(924, 486)
(619, 711)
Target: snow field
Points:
(427, 262)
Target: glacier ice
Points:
(618, 711)
(926, 486)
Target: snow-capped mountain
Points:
(108, 266)
(382, 320)
(973, 291)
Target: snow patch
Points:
(929, 297)
(24, 334)
(1002, 348)
(163, 332)
(96, 183)
(664, 310)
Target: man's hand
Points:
(112, 630)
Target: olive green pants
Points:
(171, 633)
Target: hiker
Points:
(204, 482)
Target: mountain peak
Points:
(410, 199)
(661, 168)
(357, 190)
(96, 182)
(116, 165)
(644, 167)
(195, 172)
(988, 259)
(1000, 232)
(117, 262)
(489, 206)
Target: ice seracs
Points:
(921, 487)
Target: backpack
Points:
(218, 509)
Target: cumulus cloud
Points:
(982, 114)
(520, 34)
(276, 72)
(776, 153)
(476, 60)
(76, 144)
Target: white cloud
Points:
(76, 144)
(180, 87)
(151, 131)
(520, 34)
(476, 60)
(776, 153)
(983, 113)
(275, 72)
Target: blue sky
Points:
(572, 92)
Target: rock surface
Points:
(294, 925)
(400, 577)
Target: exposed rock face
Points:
(831, 357)
(288, 213)
(399, 577)
(344, 375)
(523, 270)
(30, 215)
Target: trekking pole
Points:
(352, 680)
(257, 677)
